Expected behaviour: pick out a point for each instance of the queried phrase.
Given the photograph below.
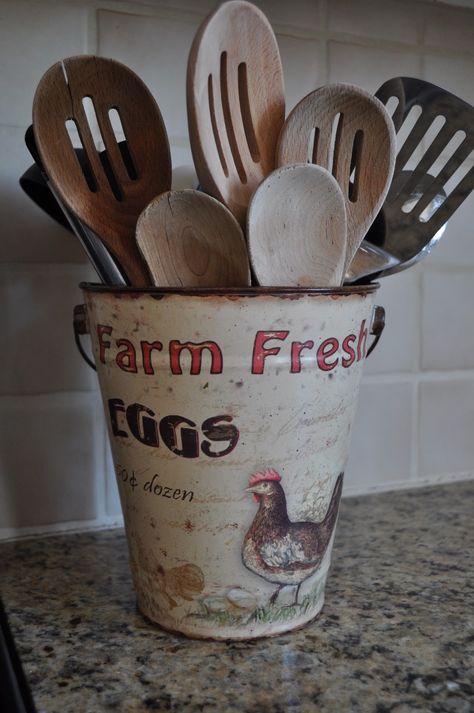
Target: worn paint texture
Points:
(230, 420)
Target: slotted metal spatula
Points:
(108, 197)
(441, 142)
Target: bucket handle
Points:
(377, 327)
(81, 327)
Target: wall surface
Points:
(416, 415)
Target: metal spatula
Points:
(107, 201)
(37, 186)
(420, 201)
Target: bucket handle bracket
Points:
(81, 327)
(377, 327)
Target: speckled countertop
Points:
(396, 634)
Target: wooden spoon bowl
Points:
(297, 228)
(189, 239)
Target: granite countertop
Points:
(396, 634)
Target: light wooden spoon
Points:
(296, 228)
(235, 103)
(109, 191)
(189, 239)
(350, 133)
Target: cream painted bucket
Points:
(229, 414)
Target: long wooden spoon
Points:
(350, 133)
(190, 239)
(297, 228)
(107, 194)
(235, 102)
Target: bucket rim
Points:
(229, 291)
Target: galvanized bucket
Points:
(229, 415)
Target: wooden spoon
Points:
(235, 103)
(296, 228)
(190, 239)
(350, 133)
(108, 195)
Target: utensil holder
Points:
(229, 414)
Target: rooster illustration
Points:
(277, 549)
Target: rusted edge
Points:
(230, 292)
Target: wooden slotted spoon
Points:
(107, 195)
(190, 239)
(296, 228)
(349, 132)
(235, 103)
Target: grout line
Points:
(92, 31)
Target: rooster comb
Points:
(268, 474)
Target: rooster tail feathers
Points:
(331, 514)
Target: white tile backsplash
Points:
(157, 49)
(389, 20)
(302, 67)
(415, 416)
(451, 73)
(33, 36)
(382, 438)
(398, 348)
(51, 458)
(446, 426)
(40, 355)
(27, 233)
(447, 322)
(369, 67)
(450, 28)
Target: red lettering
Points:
(260, 352)
(326, 350)
(147, 349)
(362, 343)
(346, 345)
(196, 350)
(127, 358)
(103, 343)
(296, 349)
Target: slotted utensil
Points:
(36, 185)
(235, 103)
(189, 239)
(349, 132)
(419, 203)
(369, 261)
(107, 197)
(296, 228)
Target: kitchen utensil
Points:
(109, 202)
(190, 239)
(235, 103)
(420, 201)
(36, 185)
(296, 228)
(369, 261)
(347, 131)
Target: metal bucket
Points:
(229, 415)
